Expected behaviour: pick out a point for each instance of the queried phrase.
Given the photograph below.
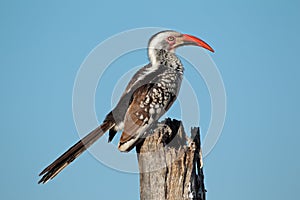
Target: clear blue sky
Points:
(43, 43)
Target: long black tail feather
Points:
(71, 154)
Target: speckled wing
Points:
(136, 119)
(149, 103)
(149, 94)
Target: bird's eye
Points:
(171, 38)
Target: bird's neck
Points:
(167, 58)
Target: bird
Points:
(149, 94)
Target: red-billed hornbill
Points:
(149, 94)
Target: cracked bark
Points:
(170, 164)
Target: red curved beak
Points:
(189, 39)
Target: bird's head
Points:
(170, 40)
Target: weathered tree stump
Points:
(170, 164)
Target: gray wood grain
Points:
(170, 164)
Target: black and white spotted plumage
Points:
(149, 94)
(150, 98)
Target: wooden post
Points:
(170, 164)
